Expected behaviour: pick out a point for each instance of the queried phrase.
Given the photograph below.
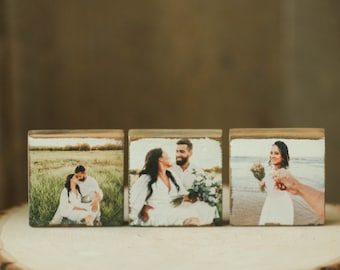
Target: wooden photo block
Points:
(175, 177)
(277, 176)
(76, 177)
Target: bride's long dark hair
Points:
(151, 168)
(68, 184)
(284, 153)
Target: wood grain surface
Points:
(226, 247)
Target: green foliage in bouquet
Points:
(204, 189)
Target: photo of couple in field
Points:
(76, 178)
(175, 178)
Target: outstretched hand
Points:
(315, 198)
(284, 180)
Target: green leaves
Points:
(206, 189)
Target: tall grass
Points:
(48, 171)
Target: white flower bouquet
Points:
(204, 189)
(258, 171)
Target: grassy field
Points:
(48, 171)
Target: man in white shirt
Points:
(90, 190)
(184, 169)
(186, 172)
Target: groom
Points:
(89, 187)
(185, 170)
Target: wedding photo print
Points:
(76, 178)
(277, 176)
(175, 177)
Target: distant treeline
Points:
(78, 147)
(215, 169)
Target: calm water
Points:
(309, 171)
(247, 200)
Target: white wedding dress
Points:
(65, 208)
(278, 207)
(163, 212)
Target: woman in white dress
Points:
(278, 207)
(70, 205)
(152, 194)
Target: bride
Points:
(152, 194)
(71, 206)
(278, 207)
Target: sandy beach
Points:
(246, 209)
(247, 200)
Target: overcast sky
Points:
(61, 142)
(262, 147)
(207, 152)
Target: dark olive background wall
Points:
(165, 64)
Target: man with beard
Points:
(90, 190)
(185, 170)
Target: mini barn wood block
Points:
(201, 181)
(248, 205)
(54, 155)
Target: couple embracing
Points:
(79, 200)
(159, 182)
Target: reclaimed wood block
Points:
(277, 176)
(76, 177)
(175, 177)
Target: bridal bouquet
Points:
(258, 170)
(203, 189)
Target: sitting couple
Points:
(152, 194)
(79, 200)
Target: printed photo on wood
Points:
(277, 176)
(175, 177)
(76, 177)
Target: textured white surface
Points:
(224, 247)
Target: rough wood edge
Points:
(135, 134)
(287, 133)
(79, 133)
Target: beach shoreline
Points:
(246, 209)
